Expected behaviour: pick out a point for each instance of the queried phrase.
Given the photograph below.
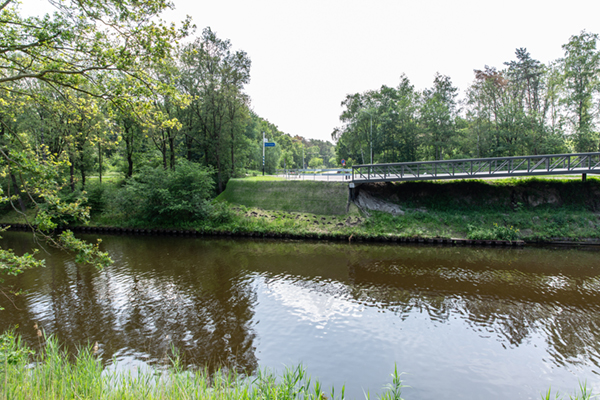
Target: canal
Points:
(460, 322)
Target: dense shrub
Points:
(165, 197)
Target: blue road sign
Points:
(269, 144)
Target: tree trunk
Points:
(163, 150)
(188, 144)
(99, 162)
(129, 141)
(232, 151)
(129, 165)
(18, 192)
(219, 177)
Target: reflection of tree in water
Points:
(493, 298)
(149, 300)
(196, 301)
(199, 294)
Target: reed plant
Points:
(52, 374)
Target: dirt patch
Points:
(366, 201)
(481, 194)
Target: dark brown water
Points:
(463, 323)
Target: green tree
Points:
(315, 162)
(215, 76)
(359, 119)
(98, 49)
(581, 65)
(385, 121)
(438, 113)
(399, 122)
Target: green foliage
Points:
(12, 264)
(56, 73)
(393, 390)
(438, 113)
(12, 350)
(496, 232)
(584, 393)
(158, 196)
(527, 108)
(54, 375)
(85, 253)
(316, 162)
(220, 213)
(582, 77)
(97, 195)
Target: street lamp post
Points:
(263, 146)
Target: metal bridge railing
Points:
(325, 174)
(550, 164)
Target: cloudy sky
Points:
(307, 55)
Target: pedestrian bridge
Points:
(475, 168)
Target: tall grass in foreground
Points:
(52, 374)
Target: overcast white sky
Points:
(307, 55)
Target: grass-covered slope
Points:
(510, 209)
(321, 198)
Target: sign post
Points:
(266, 144)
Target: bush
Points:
(220, 213)
(497, 232)
(165, 197)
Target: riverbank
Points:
(500, 212)
(292, 301)
(53, 374)
(503, 211)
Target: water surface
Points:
(466, 323)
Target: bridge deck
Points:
(550, 164)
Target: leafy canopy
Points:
(99, 49)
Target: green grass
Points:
(323, 198)
(112, 177)
(52, 374)
(492, 225)
(495, 210)
(12, 216)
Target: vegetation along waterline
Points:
(509, 210)
(110, 117)
(52, 373)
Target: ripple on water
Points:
(487, 323)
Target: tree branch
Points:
(30, 45)
(6, 3)
(42, 74)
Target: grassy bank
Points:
(536, 210)
(53, 374)
(509, 209)
(313, 197)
